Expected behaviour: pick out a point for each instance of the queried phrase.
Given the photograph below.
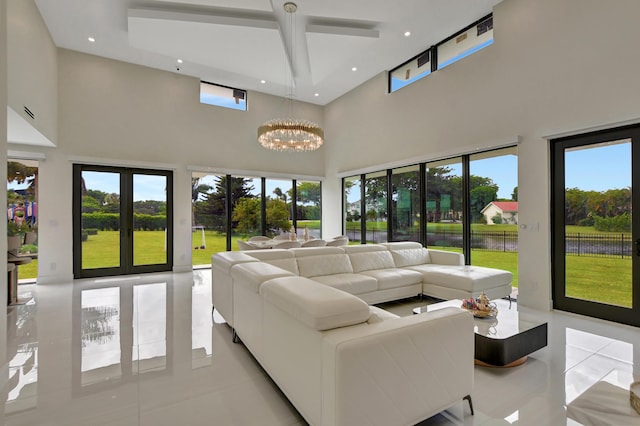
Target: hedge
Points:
(111, 221)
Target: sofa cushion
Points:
(311, 266)
(410, 257)
(351, 283)
(318, 306)
(254, 274)
(394, 277)
(367, 261)
(466, 278)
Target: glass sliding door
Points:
(375, 188)
(279, 206)
(100, 225)
(595, 240)
(122, 221)
(246, 207)
(149, 219)
(308, 209)
(405, 214)
(493, 190)
(353, 208)
(444, 198)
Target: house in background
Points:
(506, 210)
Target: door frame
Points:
(624, 315)
(126, 222)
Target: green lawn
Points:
(606, 280)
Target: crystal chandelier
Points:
(290, 134)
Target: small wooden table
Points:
(504, 340)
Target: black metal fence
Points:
(599, 245)
(576, 244)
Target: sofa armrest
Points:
(441, 257)
(316, 305)
(398, 371)
(252, 275)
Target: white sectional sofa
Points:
(304, 315)
(342, 362)
(375, 273)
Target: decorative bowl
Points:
(483, 313)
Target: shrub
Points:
(29, 248)
(587, 221)
(621, 223)
(111, 222)
(497, 219)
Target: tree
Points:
(197, 189)
(21, 173)
(111, 203)
(281, 195)
(277, 215)
(98, 195)
(211, 209)
(307, 193)
(480, 196)
(514, 194)
(375, 196)
(576, 206)
(90, 204)
(441, 185)
(246, 215)
(150, 207)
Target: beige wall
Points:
(115, 113)
(32, 76)
(554, 67)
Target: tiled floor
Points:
(144, 350)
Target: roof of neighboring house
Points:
(505, 206)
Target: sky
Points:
(145, 187)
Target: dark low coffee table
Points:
(503, 341)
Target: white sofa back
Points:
(369, 257)
(281, 258)
(408, 253)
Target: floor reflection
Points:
(122, 330)
(147, 351)
(23, 358)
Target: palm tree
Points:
(281, 195)
(197, 188)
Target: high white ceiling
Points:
(239, 43)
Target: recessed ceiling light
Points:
(179, 61)
(316, 94)
(263, 81)
(354, 69)
(91, 39)
(407, 33)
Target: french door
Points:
(122, 221)
(596, 250)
